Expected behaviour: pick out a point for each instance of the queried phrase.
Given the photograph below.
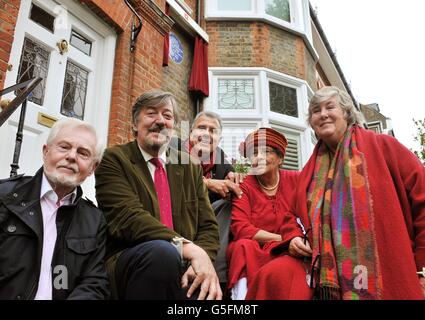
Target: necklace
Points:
(269, 188)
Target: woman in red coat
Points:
(257, 216)
(358, 225)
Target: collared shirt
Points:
(151, 166)
(49, 203)
(177, 242)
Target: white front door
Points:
(77, 77)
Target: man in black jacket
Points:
(51, 240)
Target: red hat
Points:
(266, 137)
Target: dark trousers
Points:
(150, 271)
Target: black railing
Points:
(22, 90)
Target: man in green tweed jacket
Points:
(157, 249)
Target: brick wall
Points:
(231, 44)
(257, 44)
(134, 73)
(176, 77)
(8, 15)
(310, 68)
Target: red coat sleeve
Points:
(409, 179)
(241, 226)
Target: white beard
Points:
(61, 179)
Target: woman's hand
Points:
(298, 249)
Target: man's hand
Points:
(298, 249)
(236, 177)
(201, 273)
(223, 187)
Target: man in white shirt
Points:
(51, 240)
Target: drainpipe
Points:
(198, 12)
(198, 21)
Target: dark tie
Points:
(163, 193)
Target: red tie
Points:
(163, 193)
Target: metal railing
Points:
(22, 91)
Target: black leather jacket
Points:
(79, 250)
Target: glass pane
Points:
(34, 63)
(42, 17)
(81, 43)
(278, 9)
(235, 94)
(74, 91)
(234, 5)
(283, 99)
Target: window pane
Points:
(34, 63)
(283, 99)
(74, 91)
(80, 42)
(232, 135)
(235, 94)
(278, 9)
(42, 17)
(234, 5)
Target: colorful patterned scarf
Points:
(341, 214)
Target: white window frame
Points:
(299, 11)
(376, 124)
(262, 115)
(237, 124)
(293, 135)
(249, 113)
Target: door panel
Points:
(70, 72)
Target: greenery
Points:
(242, 165)
(420, 138)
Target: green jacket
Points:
(126, 193)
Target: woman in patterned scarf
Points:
(357, 227)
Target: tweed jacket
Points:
(126, 193)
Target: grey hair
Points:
(208, 114)
(346, 103)
(154, 99)
(76, 123)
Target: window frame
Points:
(261, 114)
(255, 112)
(284, 84)
(299, 15)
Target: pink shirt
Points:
(49, 206)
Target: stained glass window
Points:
(236, 94)
(283, 99)
(279, 9)
(74, 91)
(34, 63)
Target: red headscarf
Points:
(265, 137)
